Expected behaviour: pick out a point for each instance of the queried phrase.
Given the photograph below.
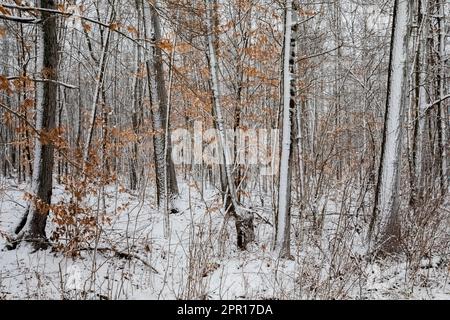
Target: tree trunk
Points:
(243, 217)
(162, 98)
(164, 170)
(32, 227)
(443, 107)
(386, 207)
(283, 221)
(421, 103)
(98, 91)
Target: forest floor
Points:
(133, 260)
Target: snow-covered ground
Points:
(200, 260)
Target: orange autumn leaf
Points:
(2, 32)
(86, 27)
(306, 13)
(28, 103)
(3, 10)
(132, 29)
(61, 7)
(114, 26)
(165, 44)
(4, 83)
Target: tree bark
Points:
(32, 226)
(243, 217)
(98, 91)
(283, 221)
(420, 105)
(386, 206)
(165, 170)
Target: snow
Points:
(192, 263)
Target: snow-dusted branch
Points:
(433, 104)
(67, 15)
(66, 85)
(20, 19)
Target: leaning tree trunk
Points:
(386, 207)
(283, 219)
(243, 217)
(32, 226)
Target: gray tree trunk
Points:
(164, 168)
(386, 207)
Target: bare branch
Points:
(69, 86)
(20, 116)
(431, 106)
(319, 54)
(72, 14)
(20, 19)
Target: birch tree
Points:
(283, 218)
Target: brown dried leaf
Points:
(165, 45)
(2, 32)
(86, 27)
(132, 29)
(5, 11)
(114, 26)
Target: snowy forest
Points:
(224, 149)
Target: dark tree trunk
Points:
(32, 226)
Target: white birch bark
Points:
(227, 159)
(35, 181)
(282, 237)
